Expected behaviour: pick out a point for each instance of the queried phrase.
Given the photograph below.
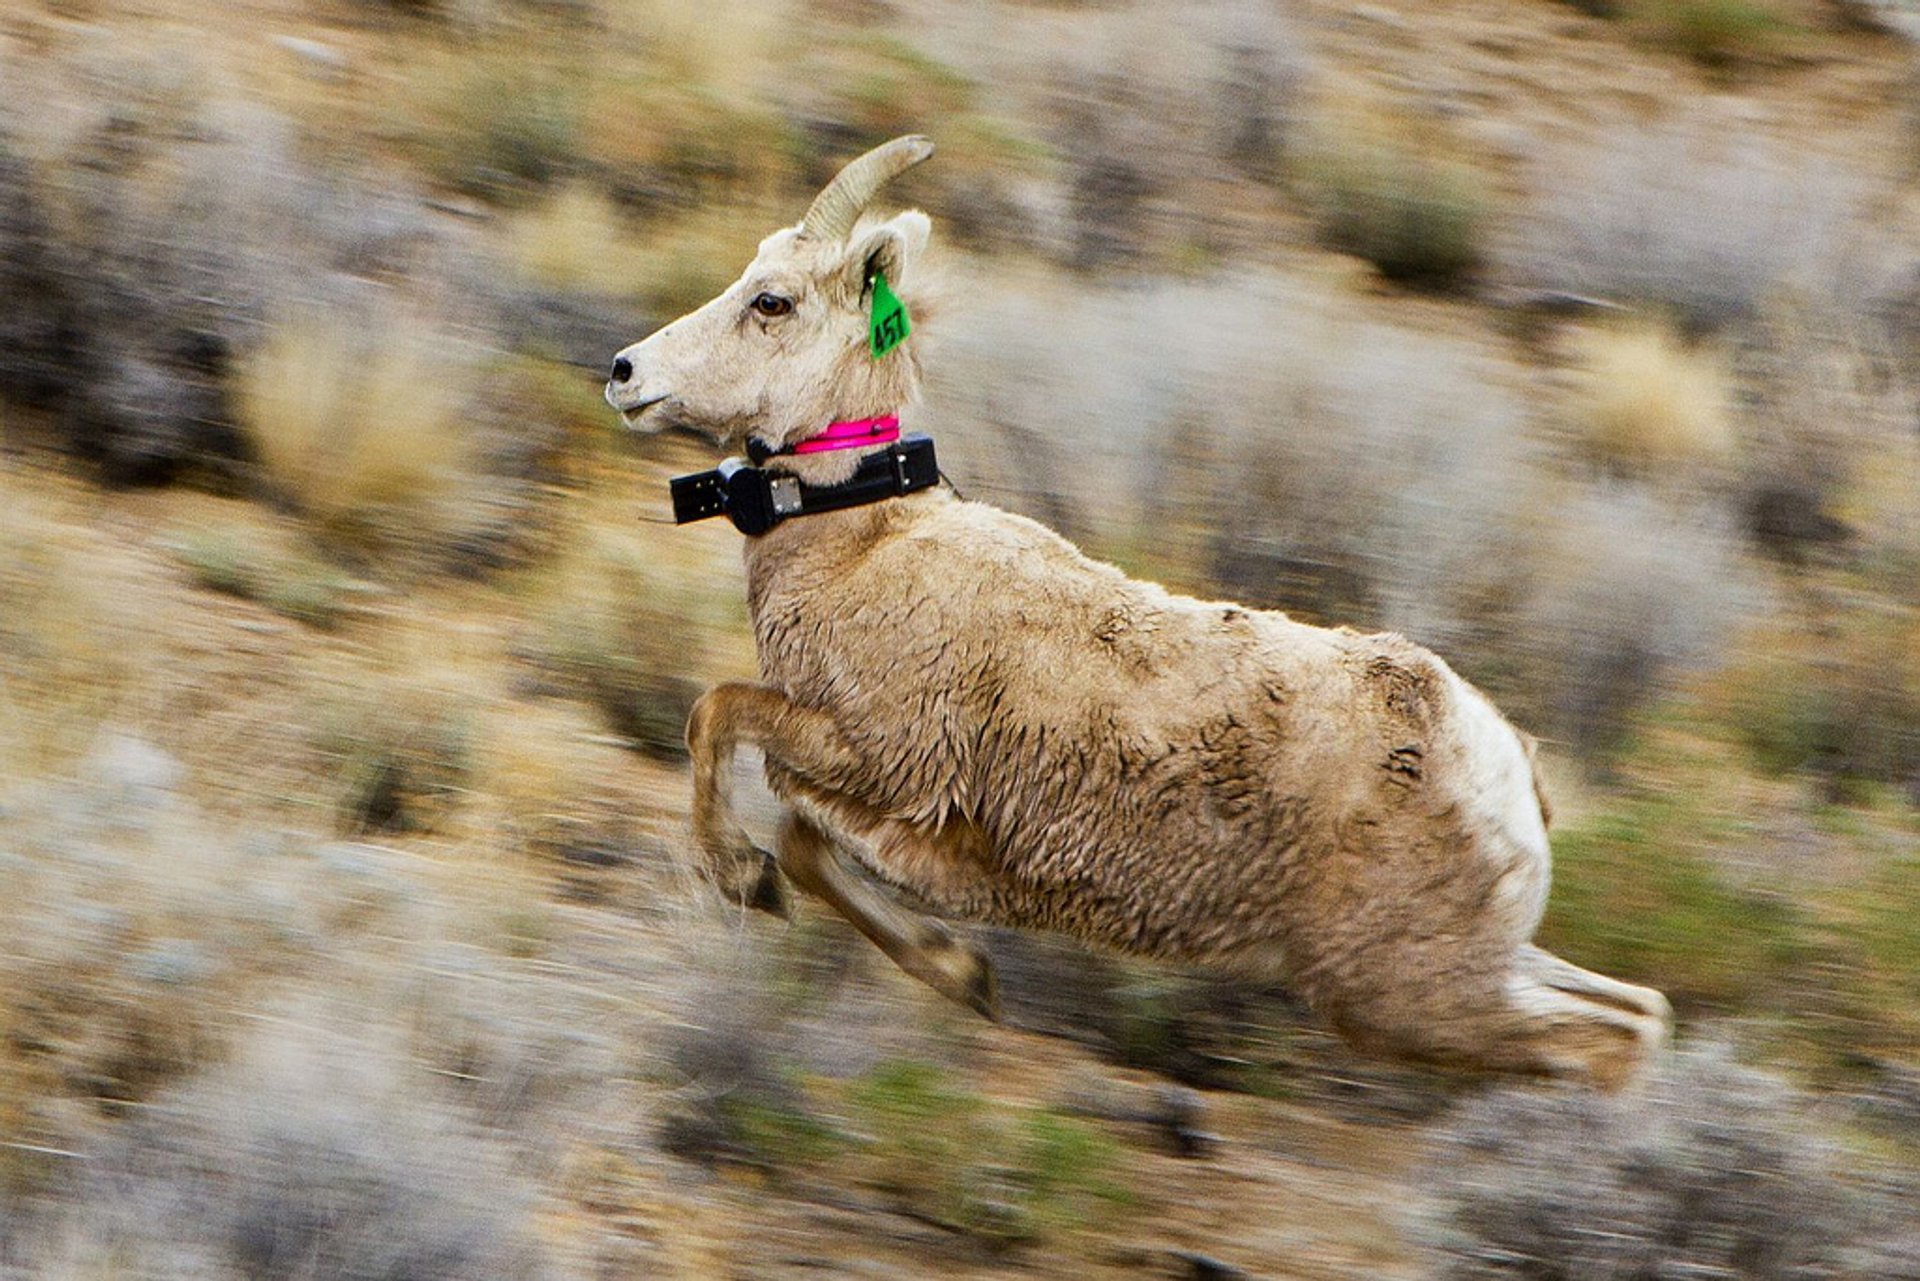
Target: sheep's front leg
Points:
(803, 741)
(807, 745)
(921, 946)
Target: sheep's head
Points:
(784, 351)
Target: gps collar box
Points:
(756, 499)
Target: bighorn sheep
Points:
(956, 702)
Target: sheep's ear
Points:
(888, 250)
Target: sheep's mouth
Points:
(632, 415)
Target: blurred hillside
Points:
(347, 927)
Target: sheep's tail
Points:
(1531, 745)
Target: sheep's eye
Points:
(772, 304)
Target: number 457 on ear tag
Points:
(888, 327)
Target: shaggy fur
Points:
(956, 702)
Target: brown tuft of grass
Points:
(401, 753)
(1648, 404)
(634, 633)
(577, 241)
(360, 431)
(551, 783)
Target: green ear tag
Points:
(888, 326)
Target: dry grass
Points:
(72, 637)
(361, 431)
(549, 785)
(1647, 404)
(401, 752)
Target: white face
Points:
(783, 352)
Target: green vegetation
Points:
(1658, 887)
(1403, 204)
(304, 589)
(954, 1157)
(1634, 896)
(1843, 706)
(1714, 33)
(906, 1129)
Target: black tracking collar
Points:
(756, 500)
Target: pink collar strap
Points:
(854, 434)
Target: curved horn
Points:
(840, 203)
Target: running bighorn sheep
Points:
(956, 702)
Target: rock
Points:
(1178, 1111)
(1204, 1267)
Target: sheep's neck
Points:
(819, 549)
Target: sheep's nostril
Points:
(622, 369)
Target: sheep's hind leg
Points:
(922, 947)
(1547, 1028)
(1565, 976)
(1531, 1013)
(723, 718)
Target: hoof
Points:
(769, 892)
(983, 990)
(751, 879)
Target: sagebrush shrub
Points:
(1258, 436)
(1622, 594)
(304, 1162)
(1715, 1170)
(361, 430)
(1693, 218)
